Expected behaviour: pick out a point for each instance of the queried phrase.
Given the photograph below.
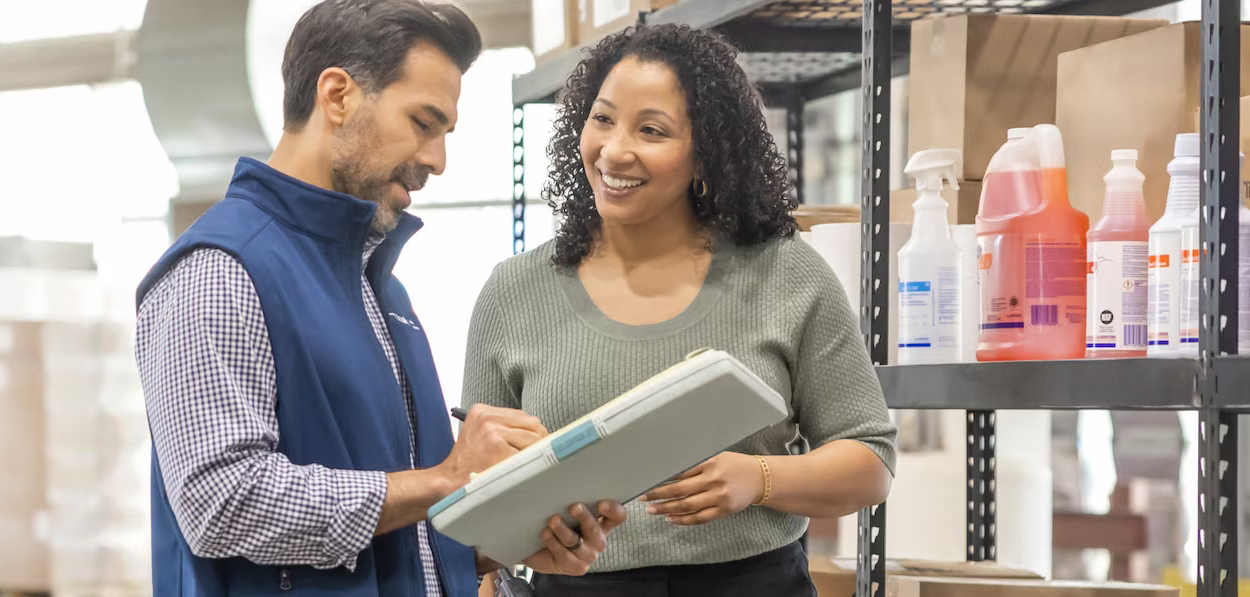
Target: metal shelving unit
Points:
(801, 50)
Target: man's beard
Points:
(349, 170)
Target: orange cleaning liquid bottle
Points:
(1031, 246)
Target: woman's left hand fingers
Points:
(678, 489)
(686, 505)
(701, 517)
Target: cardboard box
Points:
(903, 586)
(24, 554)
(836, 577)
(599, 18)
(807, 215)
(1133, 93)
(962, 204)
(975, 76)
(553, 28)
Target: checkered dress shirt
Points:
(208, 375)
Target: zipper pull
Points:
(285, 579)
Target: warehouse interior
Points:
(124, 120)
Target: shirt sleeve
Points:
(484, 379)
(207, 369)
(836, 393)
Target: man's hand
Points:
(724, 484)
(571, 552)
(490, 434)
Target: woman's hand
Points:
(725, 484)
(571, 552)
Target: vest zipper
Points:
(284, 581)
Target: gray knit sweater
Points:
(537, 342)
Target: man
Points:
(299, 430)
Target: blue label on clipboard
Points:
(577, 438)
(446, 502)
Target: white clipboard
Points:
(664, 426)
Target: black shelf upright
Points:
(1220, 197)
(802, 50)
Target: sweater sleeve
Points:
(836, 393)
(484, 378)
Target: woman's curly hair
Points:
(749, 200)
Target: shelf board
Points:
(813, 44)
(1115, 384)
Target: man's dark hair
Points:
(370, 39)
(748, 201)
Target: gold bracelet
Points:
(768, 481)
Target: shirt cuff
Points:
(355, 518)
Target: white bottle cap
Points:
(1187, 145)
(1018, 133)
(1123, 154)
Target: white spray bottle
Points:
(929, 276)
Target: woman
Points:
(676, 234)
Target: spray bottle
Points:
(929, 277)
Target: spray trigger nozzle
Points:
(930, 166)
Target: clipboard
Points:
(639, 440)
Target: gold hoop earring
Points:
(701, 188)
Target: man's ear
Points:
(337, 94)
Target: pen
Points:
(458, 412)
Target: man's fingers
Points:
(520, 438)
(613, 514)
(589, 528)
(507, 417)
(567, 537)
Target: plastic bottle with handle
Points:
(1032, 250)
(929, 271)
(1117, 265)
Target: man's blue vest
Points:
(339, 405)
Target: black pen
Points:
(458, 412)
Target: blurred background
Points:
(120, 123)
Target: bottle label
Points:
(1001, 305)
(1163, 287)
(929, 310)
(1031, 281)
(1191, 289)
(1117, 298)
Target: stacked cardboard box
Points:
(558, 26)
(24, 556)
(975, 76)
(599, 18)
(836, 577)
(1134, 93)
(553, 28)
(97, 455)
(918, 578)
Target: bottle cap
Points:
(1123, 154)
(1187, 145)
(1018, 133)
